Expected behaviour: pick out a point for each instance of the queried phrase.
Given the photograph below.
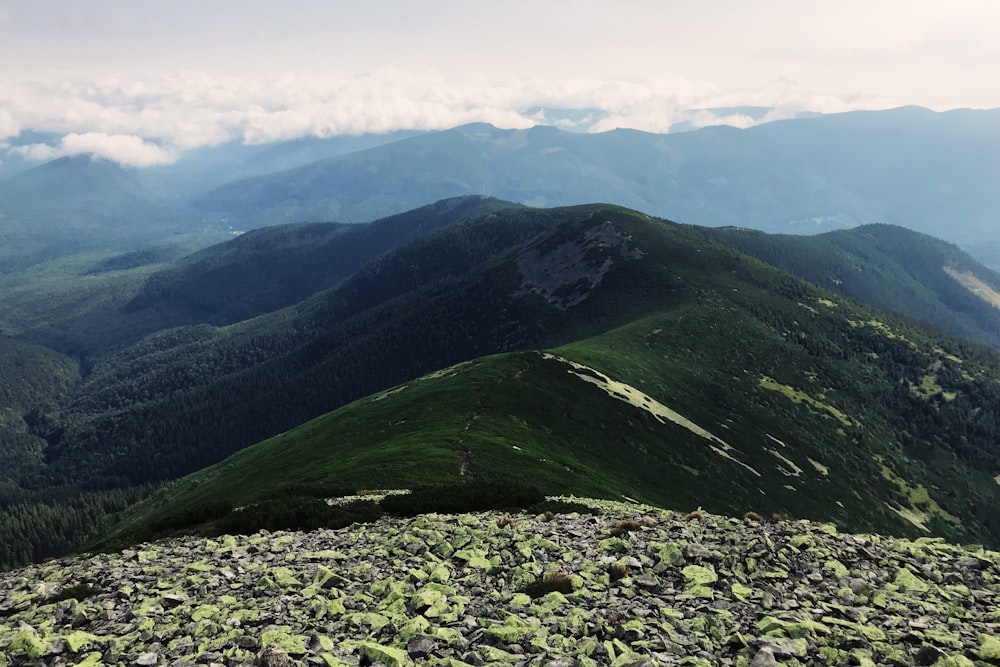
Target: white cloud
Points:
(8, 126)
(127, 150)
(152, 121)
(38, 152)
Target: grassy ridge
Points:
(799, 402)
(802, 393)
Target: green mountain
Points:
(274, 267)
(745, 352)
(254, 273)
(889, 267)
(200, 392)
(679, 372)
(932, 172)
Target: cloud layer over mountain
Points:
(185, 74)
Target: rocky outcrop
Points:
(662, 589)
(565, 275)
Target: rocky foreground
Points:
(471, 589)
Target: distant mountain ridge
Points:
(927, 171)
(907, 166)
(889, 267)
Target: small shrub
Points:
(459, 498)
(625, 526)
(753, 516)
(188, 520)
(562, 507)
(297, 513)
(310, 491)
(695, 516)
(617, 571)
(549, 582)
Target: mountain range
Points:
(932, 172)
(908, 166)
(632, 350)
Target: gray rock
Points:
(788, 648)
(645, 662)
(421, 647)
(764, 658)
(560, 662)
(473, 658)
(696, 551)
(147, 659)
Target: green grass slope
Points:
(690, 375)
(888, 267)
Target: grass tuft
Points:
(617, 571)
(549, 582)
(625, 526)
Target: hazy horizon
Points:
(141, 83)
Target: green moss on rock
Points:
(283, 638)
(989, 648)
(908, 582)
(389, 655)
(26, 644)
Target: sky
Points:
(144, 81)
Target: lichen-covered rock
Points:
(442, 590)
(387, 655)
